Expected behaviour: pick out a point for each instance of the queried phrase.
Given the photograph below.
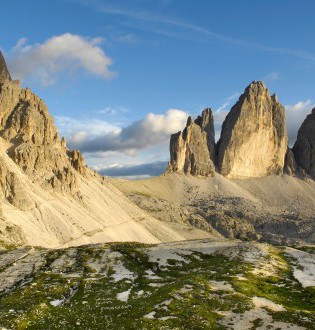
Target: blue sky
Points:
(120, 76)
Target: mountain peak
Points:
(4, 72)
(192, 151)
(256, 87)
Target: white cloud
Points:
(84, 127)
(296, 113)
(64, 53)
(98, 136)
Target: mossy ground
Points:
(178, 296)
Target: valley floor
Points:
(196, 284)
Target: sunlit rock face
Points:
(28, 131)
(253, 140)
(192, 151)
(304, 148)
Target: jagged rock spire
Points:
(36, 147)
(253, 140)
(193, 150)
(4, 72)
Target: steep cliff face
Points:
(193, 150)
(4, 72)
(33, 140)
(253, 140)
(48, 197)
(304, 148)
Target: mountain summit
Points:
(253, 140)
(193, 150)
(4, 72)
(48, 197)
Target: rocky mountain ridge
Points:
(49, 198)
(253, 141)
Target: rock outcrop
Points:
(77, 161)
(33, 141)
(192, 151)
(253, 140)
(304, 148)
(48, 197)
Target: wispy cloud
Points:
(128, 38)
(66, 53)
(113, 110)
(152, 17)
(227, 102)
(221, 112)
(272, 76)
(148, 16)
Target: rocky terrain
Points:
(203, 284)
(66, 257)
(49, 198)
(252, 209)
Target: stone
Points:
(253, 140)
(304, 147)
(192, 151)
